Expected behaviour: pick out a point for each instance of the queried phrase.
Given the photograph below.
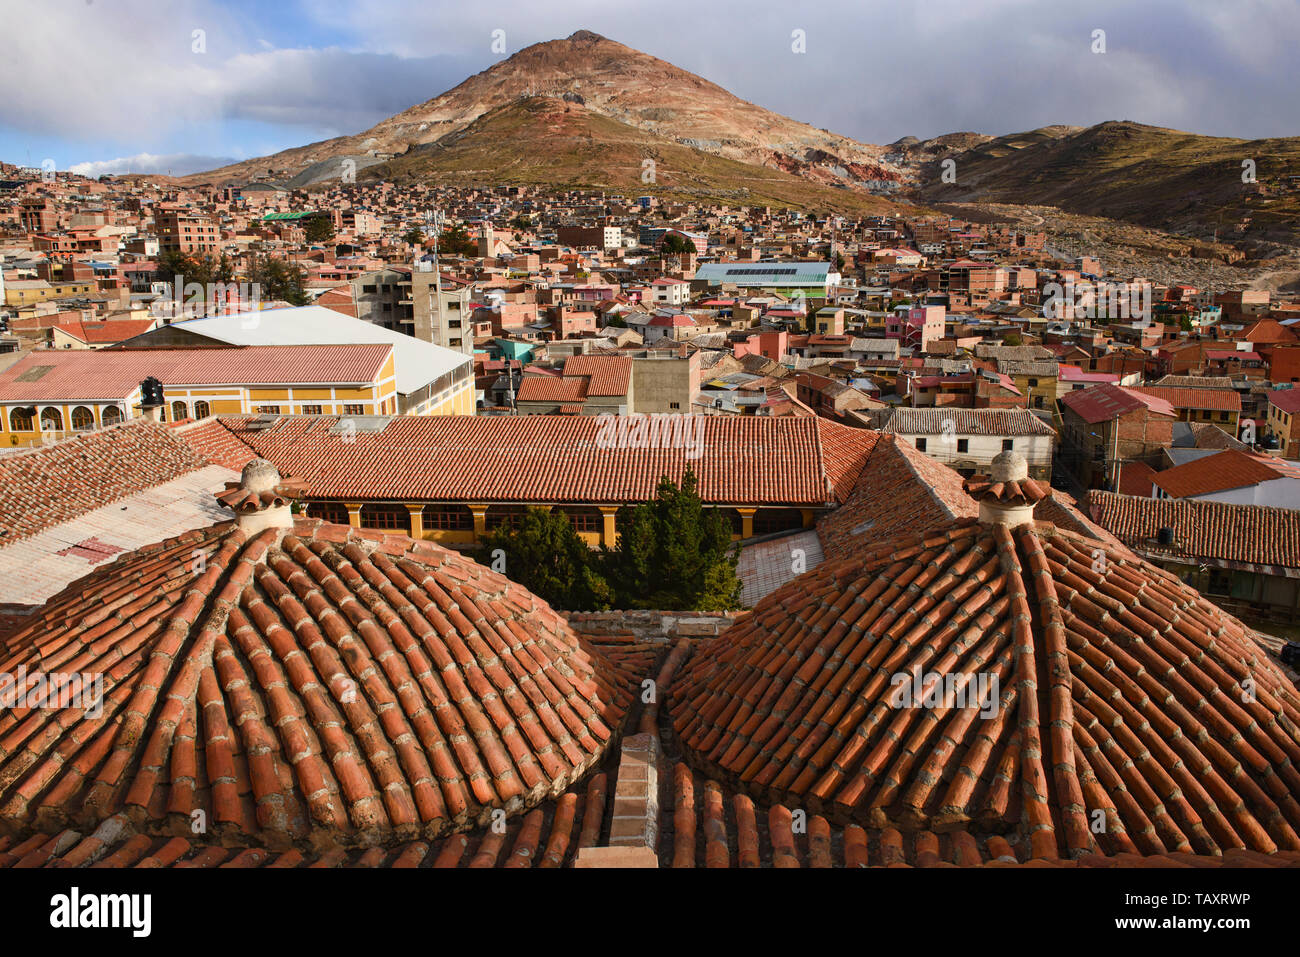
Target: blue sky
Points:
(111, 85)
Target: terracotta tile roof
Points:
(1288, 400)
(965, 422)
(48, 485)
(102, 333)
(1248, 534)
(740, 833)
(1100, 403)
(114, 373)
(900, 489)
(1135, 478)
(548, 836)
(542, 458)
(1214, 400)
(610, 375)
(316, 684)
(1118, 690)
(216, 443)
(536, 388)
(1219, 472)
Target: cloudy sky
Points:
(184, 85)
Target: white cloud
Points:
(173, 164)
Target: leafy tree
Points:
(279, 279)
(455, 241)
(413, 236)
(616, 321)
(676, 244)
(319, 229)
(1011, 339)
(545, 555)
(839, 262)
(522, 222)
(674, 553)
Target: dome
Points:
(311, 684)
(1003, 676)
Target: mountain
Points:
(556, 142)
(1126, 171)
(610, 80)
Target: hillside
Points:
(611, 80)
(1130, 172)
(553, 142)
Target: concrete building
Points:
(440, 310)
(967, 440)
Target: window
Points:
(20, 420)
(268, 409)
(584, 519)
(1033, 383)
(179, 411)
(963, 445)
(386, 515)
(674, 405)
(1008, 445)
(51, 420)
(452, 518)
(311, 410)
(920, 445)
(498, 515)
(111, 415)
(352, 409)
(333, 512)
(769, 520)
(202, 410)
(83, 420)
(1223, 417)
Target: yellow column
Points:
(807, 514)
(746, 522)
(480, 521)
(417, 519)
(354, 515)
(610, 534)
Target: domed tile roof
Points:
(279, 681)
(1002, 675)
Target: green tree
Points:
(455, 241)
(675, 553)
(1011, 339)
(676, 244)
(413, 236)
(319, 229)
(545, 555)
(279, 279)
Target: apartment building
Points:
(181, 229)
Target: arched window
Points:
(454, 518)
(179, 411)
(51, 420)
(335, 513)
(202, 410)
(83, 420)
(20, 420)
(111, 415)
(386, 515)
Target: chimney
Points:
(261, 498)
(151, 399)
(1008, 495)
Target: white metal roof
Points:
(418, 363)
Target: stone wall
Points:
(663, 626)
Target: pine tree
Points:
(545, 555)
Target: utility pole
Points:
(435, 219)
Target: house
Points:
(1283, 420)
(1221, 407)
(916, 327)
(1242, 478)
(671, 326)
(1245, 557)
(588, 385)
(668, 292)
(1109, 424)
(967, 440)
